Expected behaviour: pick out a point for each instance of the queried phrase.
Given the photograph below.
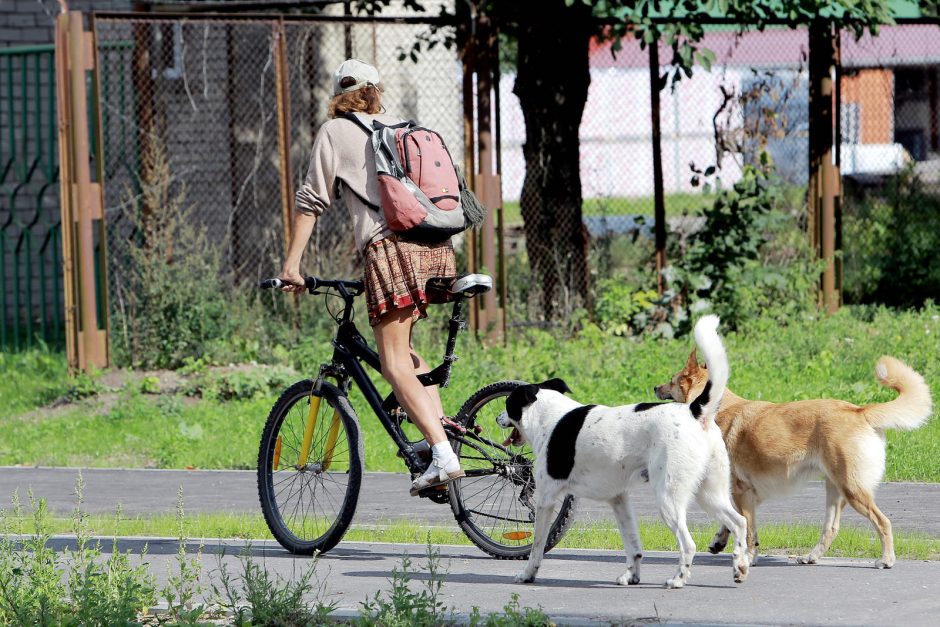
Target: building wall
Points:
(873, 91)
(29, 22)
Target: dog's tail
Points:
(911, 408)
(709, 344)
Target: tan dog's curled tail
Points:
(911, 408)
(709, 344)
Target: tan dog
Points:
(776, 447)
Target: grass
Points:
(31, 379)
(676, 205)
(828, 357)
(775, 538)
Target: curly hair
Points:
(365, 100)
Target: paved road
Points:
(909, 506)
(577, 586)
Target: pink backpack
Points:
(424, 198)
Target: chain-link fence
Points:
(215, 117)
(753, 99)
(890, 163)
(193, 107)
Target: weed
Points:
(183, 587)
(514, 615)
(104, 594)
(82, 385)
(257, 598)
(403, 607)
(243, 384)
(31, 588)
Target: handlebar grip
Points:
(268, 284)
(310, 283)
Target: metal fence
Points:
(230, 107)
(890, 164)
(754, 98)
(31, 306)
(208, 95)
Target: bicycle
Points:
(310, 462)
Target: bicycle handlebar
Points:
(312, 283)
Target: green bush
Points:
(891, 237)
(750, 258)
(621, 309)
(171, 299)
(240, 384)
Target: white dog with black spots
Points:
(602, 453)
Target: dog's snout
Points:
(662, 392)
(503, 420)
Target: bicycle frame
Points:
(350, 349)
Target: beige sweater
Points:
(342, 162)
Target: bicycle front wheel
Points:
(494, 504)
(310, 468)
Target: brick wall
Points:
(28, 22)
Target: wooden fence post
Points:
(659, 200)
(823, 190)
(81, 198)
(481, 134)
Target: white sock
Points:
(443, 456)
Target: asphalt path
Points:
(575, 587)
(384, 497)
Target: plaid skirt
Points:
(396, 274)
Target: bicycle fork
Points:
(309, 429)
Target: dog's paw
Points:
(806, 559)
(525, 577)
(674, 583)
(752, 558)
(740, 573)
(716, 547)
(885, 563)
(628, 579)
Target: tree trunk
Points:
(552, 85)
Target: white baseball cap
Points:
(357, 74)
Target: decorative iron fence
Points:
(31, 304)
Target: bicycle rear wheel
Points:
(494, 503)
(310, 468)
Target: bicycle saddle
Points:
(466, 285)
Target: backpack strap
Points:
(352, 117)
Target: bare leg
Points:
(631, 539)
(393, 340)
(834, 505)
(433, 391)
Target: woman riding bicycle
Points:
(396, 271)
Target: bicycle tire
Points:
(488, 530)
(281, 440)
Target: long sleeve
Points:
(316, 193)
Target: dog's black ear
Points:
(519, 399)
(555, 384)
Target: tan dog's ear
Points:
(692, 364)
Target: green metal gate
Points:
(31, 305)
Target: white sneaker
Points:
(436, 476)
